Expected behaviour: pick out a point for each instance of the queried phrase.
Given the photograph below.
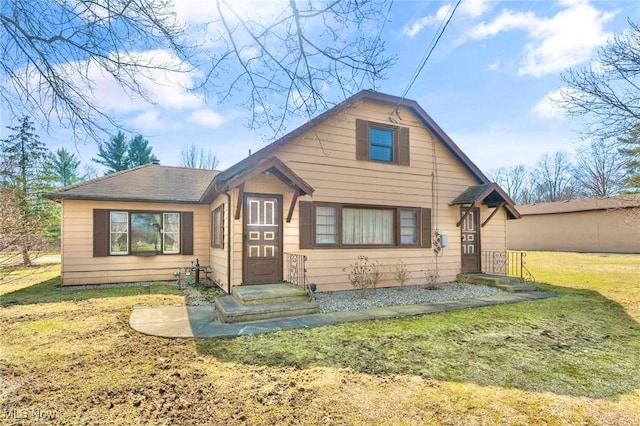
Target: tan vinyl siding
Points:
(325, 158)
(80, 267)
(218, 256)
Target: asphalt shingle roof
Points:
(150, 182)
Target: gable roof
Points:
(489, 194)
(150, 182)
(584, 204)
(251, 161)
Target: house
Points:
(591, 225)
(373, 176)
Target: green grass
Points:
(578, 344)
(49, 292)
(572, 359)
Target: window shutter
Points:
(426, 227)
(100, 233)
(403, 146)
(362, 140)
(186, 232)
(213, 230)
(306, 224)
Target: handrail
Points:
(296, 269)
(510, 263)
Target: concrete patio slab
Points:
(180, 321)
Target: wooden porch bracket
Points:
(501, 205)
(464, 216)
(240, 200)
(292, 207)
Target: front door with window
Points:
(470, 230)
(262, 254)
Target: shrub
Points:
(401, 273)
(364, 275)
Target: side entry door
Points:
(470, 230)
(262, 247)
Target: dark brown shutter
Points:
(426, 227)
(362, 140)
(306, 224)
(213, 230)
(100, 233)
(403, 146)
(221, 226)
(186, 232)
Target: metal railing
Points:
(296, 270)
(512, 263)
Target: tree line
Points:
(600, 169)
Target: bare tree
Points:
(552, 178)
(600, 169)
(607, 92)
(515, 180)
(191, 156)
(275, 66)
(52, 50)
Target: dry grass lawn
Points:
(574, 359)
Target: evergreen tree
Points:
(24, 177)
(113, 154)
(119, 154)
(64, 167)
(139, 152)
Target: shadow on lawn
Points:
(579, 344)
(47, 292)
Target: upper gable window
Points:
(382, 142)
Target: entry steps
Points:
(503, 282)
(266, 301)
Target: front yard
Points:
(573, 359)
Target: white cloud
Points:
(165, 88)
(559, 42)
(547, 108)
(207, 117)
(419, 24)
(149, 120)
(470, 9)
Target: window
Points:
(171, 233)
(218, 227)
(382, 142)
(367, 226)
(118, 233)
(409, 226)
(326, 225)
(336, 225)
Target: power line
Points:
(434, 43)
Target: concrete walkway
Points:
(199, 321)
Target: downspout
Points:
(228, 241)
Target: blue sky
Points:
(487, 83)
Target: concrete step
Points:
(230, 310)
(503, 282)
(268, 294)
